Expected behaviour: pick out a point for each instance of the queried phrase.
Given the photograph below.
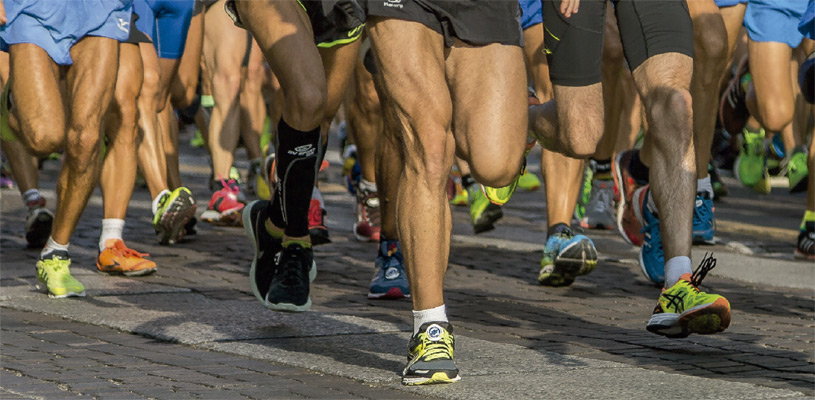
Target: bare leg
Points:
(252, 105)
(152, 160)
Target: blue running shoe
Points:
(390, 280)
(652, 255)
(566, 256)
(704, 224)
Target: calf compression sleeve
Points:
(298, 154)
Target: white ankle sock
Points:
(675, 268)
(155, 201)
(366, 185)
(435, 314)
(111, 229)
(31, 195)
(704, 185)
(51, 246)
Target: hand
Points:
(569, 7)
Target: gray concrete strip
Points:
(761, 270)
(373, 351)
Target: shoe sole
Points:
(486, 222)
(703, 238)
(171, 226)
(246, 216)
(576, 259)
(392, 293)
(436, 378)
(40, 229)
(703, 319)
(319, 235)
(141, 272)
(645, 271)
(800, 255)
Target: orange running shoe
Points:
(118, 259)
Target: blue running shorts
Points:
(531, 13)
(775, 20)
(166, 22)
(729, 3)
(807, 25)
(55, 26)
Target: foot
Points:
(599, 212)
(704, 222)
(224, 207)
(367, 226)
(390, 280)
(118, 259)
(652, 254)
(317, 230)
(38, 223)
(483, 213)
(585, 194)
(565, 257)
(627, 222)
(289, 289)
(54, 272)
(266, 248)
(174, 211)
(529, 181)
(430, 356)
(750, 165)
(797, 171)
(805, 249)
(682, 309)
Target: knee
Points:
(710, 53)
(495, 175)
(580, 138)
(226, 83)
(305, 105)
(150, 85)
(42, 142)
(670, 113)
(84, 140)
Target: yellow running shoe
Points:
(55, 274)
(430, 356)
(529, 181)
(682, 309)
(117, 259)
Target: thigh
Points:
(412, 74)
(225, 45)
(650, 28)
(91, 80)
(488, 87)
(574, 45)
(770, 71)
(338, 62)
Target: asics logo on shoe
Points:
(391, 273)
(305, 150)
(434, 333)
(699, 202)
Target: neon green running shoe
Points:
(501, 196)
(55, 274)
(483, 213)
(751, 162)
(197, 140)
(529, 181)
(763, 185)
(585, 194)
(174, 210)
(797, 171)
(682, 309)
(430, 356)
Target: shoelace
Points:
(289, 271)
(438, 350)
(122, 250)
(707, 264)
(230, 185)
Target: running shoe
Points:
(704, 222)
(367, 226)
(806, 242)
(317, 230)
(483, 213)
(254, 179)
(456, 193)
(54, 272)
(682, 309)
(215, 184)
(38, 223)
(565, 257)
(599, 212)
(351, 170)
(719, 188)
(750, 164)
(585, 193)
(733, 113)
(501, 196)
(796, 170)
(652, 254)
(174, 211)
(627, 222)
(266, 247)
(529, 181)
(189, 227)
(289, 289)
(390, 280)
(118, 259)
(430, 356)
(224, 207)
(197, 139)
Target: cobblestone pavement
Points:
(126, 341)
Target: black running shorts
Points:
(475, 22)
(334, 22)
(574, 45)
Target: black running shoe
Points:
(430, 356)
(290, 286)
(266, 248)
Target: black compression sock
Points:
(467, 181)
(298, 154)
